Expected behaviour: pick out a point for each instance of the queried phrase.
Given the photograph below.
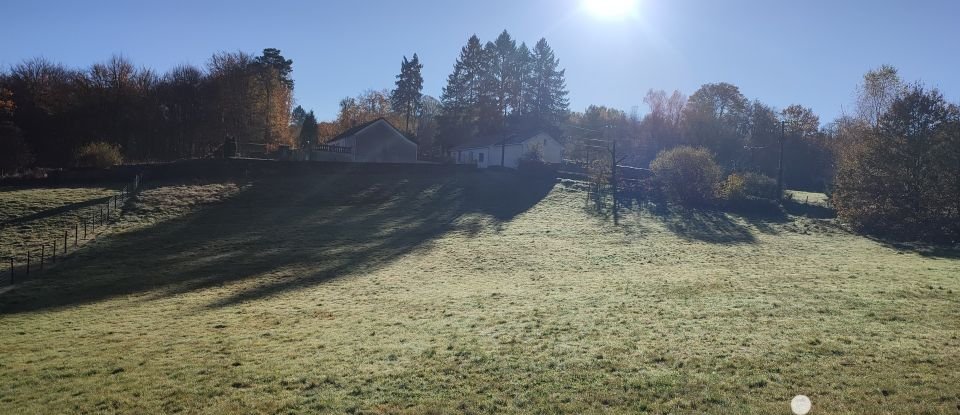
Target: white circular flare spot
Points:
(800, 404)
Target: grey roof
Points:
(356, 129)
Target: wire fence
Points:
(84, 227)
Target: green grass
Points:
(478, 294)
(40, 216)
(811, 198)
(30, 217)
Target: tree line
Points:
(494, 87)
(48, 111)
(743, 135)
(892, 167)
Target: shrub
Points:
(98, 154)
(734, 188)
(750, 193)
(687, 175)
(740, 186)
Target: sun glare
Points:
(610, 9)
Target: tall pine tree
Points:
(461, 96)
(548, 87)
(308, 130)
(521, 89)
(405, 98)
(504, 74)
(500, 83)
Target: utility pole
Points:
(611, 146)
(783, 127)
(613, 181)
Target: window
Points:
(481, 157)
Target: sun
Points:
(610, 9)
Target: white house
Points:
(507, 149)
(376, 141)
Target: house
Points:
(376, 141)
(507, 149)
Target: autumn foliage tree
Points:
(186, 112)
(902, 176)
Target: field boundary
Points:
(85, 228)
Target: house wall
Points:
(551, 149)
(510, 154)
(379, 143)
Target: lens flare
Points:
(610, 9)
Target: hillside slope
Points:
(478, 293)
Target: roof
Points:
(498, 139)
(357, 128)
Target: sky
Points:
(811, 52)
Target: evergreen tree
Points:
(405, 99)
(272, 59)
(520, 90)
(503, 72)
(308, 130)
(500, 82)
(461, 96)
(297, 116)
(548, 89)
(488, 111)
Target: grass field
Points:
(479, 293)
(39, 216)
(29, 217)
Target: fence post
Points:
(84, 227)
(65, 232)
(76, 233)
(41, 257)
(11, 270)
(54, 257)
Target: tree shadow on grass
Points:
(282, 234)
(56, 211)
(705, 225)
(926, 249)
(809, 210)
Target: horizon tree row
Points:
(48, 111)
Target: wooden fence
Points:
(85, 228)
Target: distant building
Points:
(376, 141)
(507, 149)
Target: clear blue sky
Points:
(781, 52)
